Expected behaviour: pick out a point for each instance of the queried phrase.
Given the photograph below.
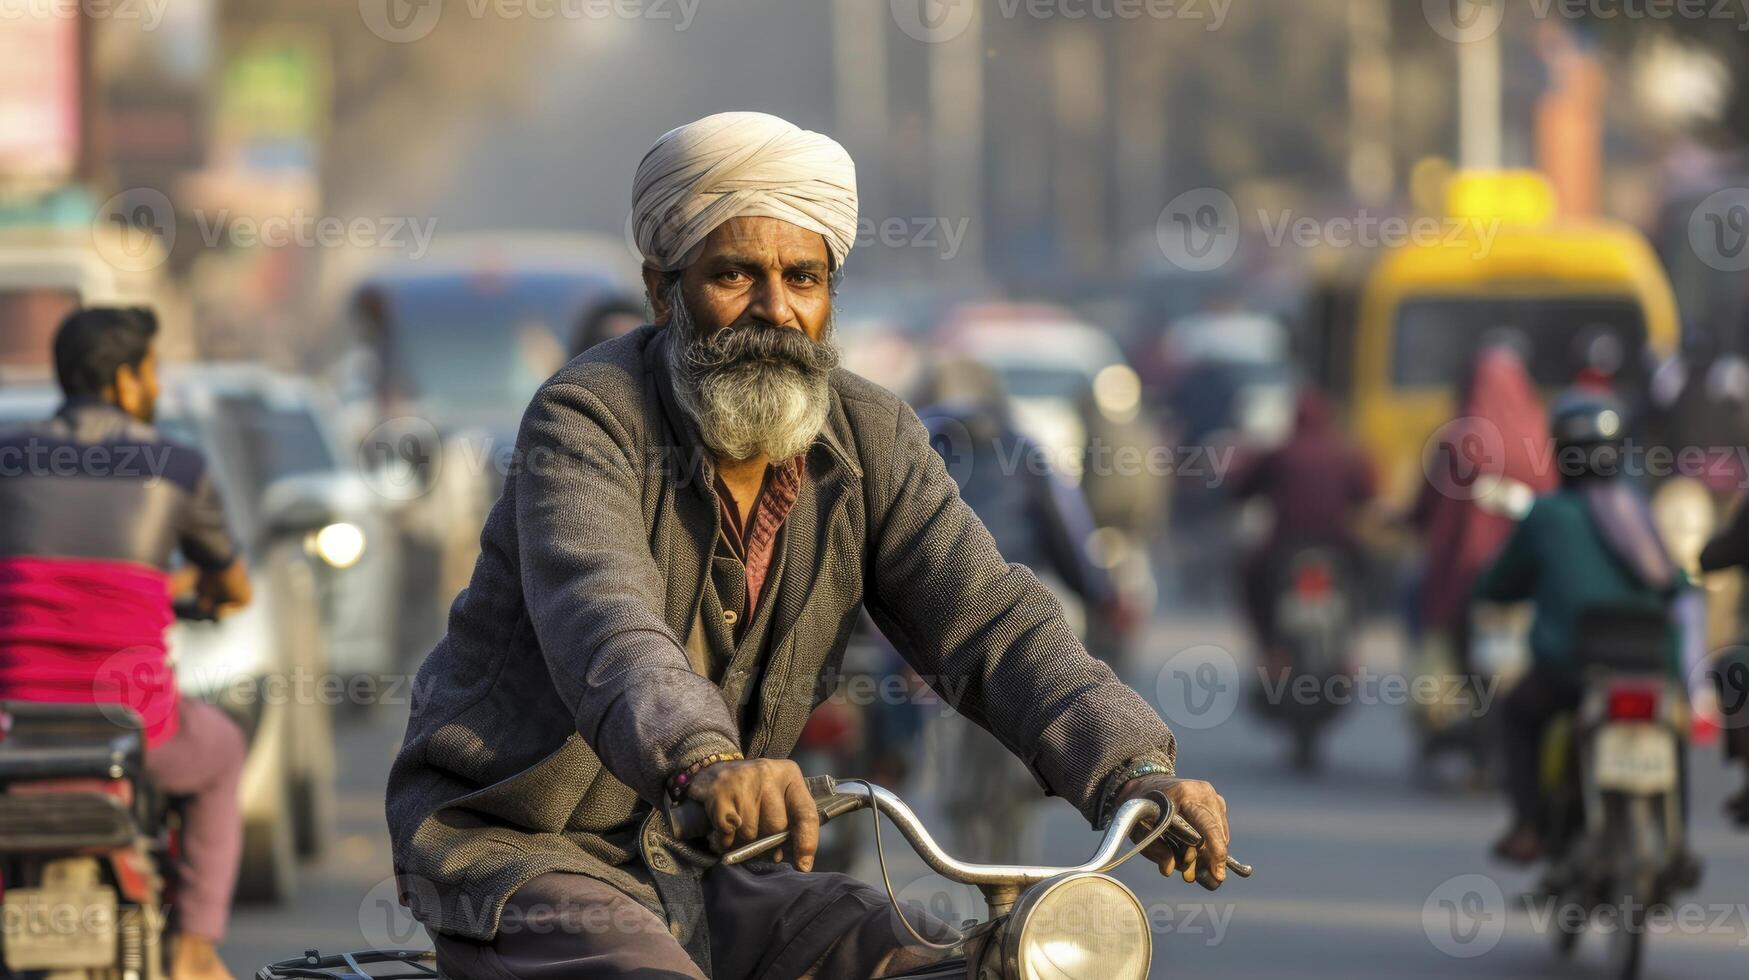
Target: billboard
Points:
(39, 94)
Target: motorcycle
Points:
(1315, 611)
(86, 846)
(1617, 809)
(1037, 917)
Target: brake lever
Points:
(1184, 835)
(828, 808)
(189, 609)
(688, 821)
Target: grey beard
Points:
(751, 391)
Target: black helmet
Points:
(1589, 428)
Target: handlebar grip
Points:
(189, 608)
(688, 820)
(1181, 831)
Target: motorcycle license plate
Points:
(58, 928)
(1302, 615)
(1636, 759)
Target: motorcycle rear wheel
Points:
(1627, 943)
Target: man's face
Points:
(755, 270)
(136, 388)
(752, 350)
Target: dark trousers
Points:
(1542, 694)
(766, 921)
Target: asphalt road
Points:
(1361, 872)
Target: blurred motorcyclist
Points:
(1590, 543)
(1038, 520)
(94, 502)
(1317, 484)
(1499, 434)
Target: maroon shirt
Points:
(756, 542)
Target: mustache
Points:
(761, 344)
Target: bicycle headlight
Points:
(1083, 925)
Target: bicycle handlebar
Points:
(689, 821)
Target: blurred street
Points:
(1352, 862)
(1366, 381)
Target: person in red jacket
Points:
(1316, 485)
(1501, 433)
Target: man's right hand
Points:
(222, 592)
(752, 798)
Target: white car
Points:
(289, 465)
(306, 537)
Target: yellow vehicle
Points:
(1568, 293)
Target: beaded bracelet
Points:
(1117, 780)
(677, 784)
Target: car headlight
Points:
(1117, 390)
(340, 545)
(1079, 925)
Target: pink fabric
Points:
(88, 632)
(204, 761)
(1501, 407)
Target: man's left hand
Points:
(1202, 808)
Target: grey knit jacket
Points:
(549, 718)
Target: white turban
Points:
(738, 164)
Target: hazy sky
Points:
(603, 96)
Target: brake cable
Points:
(881, 855)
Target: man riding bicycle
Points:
(695, 513)
(95, 505)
